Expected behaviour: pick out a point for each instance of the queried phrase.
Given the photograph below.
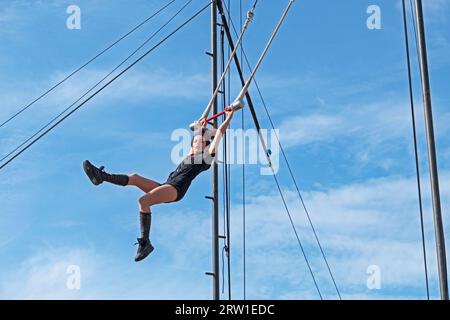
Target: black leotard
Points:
(187, 171)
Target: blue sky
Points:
(336, 90)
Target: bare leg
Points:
(142, 183)
(160, 194)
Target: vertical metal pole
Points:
(215, 176)
(439, 229)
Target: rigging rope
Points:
(293, 178)
(416, 152)
(296, 233)
(108, 83)
(300, 195)
(244, 92)
(250, 15)
(238, 103)
(261, 58)
(241, 77)
(86, 64)
(98, 83)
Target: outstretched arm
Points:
(221, 131)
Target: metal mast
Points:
(438, 225)
(215, 176)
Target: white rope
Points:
(238, 102)
(250, 15)
(249, 81)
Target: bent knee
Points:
(134, 176)
(145, 200)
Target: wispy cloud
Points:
(44, 275)
(372, 123)
(137, 86)
(374, 222)
(436, 13)
(436, 7)
(7, 15)
(370, 223)
(434, 10)
(149, 89)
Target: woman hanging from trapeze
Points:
(196, 162)
(199, 159)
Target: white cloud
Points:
(436, 6)
(436, 13)
(434, 10)
(372, 222)
(439, 48)
(373, 123)
(44, 275)
(6, 16)
(136, 86)
(311, 128)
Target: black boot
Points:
(145, 246)
(98, 175)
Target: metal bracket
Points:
(238, 104)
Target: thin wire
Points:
(254, 4)
(229, 54)
(243, 179)
(300, 196)
(224, 184)
(224, 219)
(228, 172)
(416, 35)
(86, 64)
(416, 152)
(298, 190)
(228, 197)
(109, 82)
(296, 234)
(226, 99)
(99, 82)
(225, 176)
(223, 269)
